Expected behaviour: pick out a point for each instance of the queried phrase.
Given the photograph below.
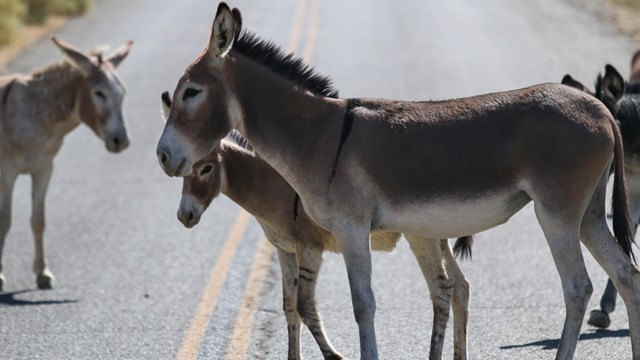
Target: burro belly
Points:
(448, 217)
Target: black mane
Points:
(239, 140)
(283, 63)
(632, 87)
(598, 85)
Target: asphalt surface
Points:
(130, 277)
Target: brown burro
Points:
(433, 169)
(234, 169)
(37, 111)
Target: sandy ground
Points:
(626, 18)
(30, 34)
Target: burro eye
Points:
(189, 93)
(100, 95)
(207, 169)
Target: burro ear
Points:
(120, 53)
(75, 57)
(635, 67)
(223, 32)
(166, 105)
(613, 83)
(570, 81)
(238, 18)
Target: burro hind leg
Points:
(40, 183)
(561, 228)
(460, 302)
(430, 257)
(600, 317)
(597, 237)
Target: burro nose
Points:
(119, 142)
(164, 156)
(173, 164)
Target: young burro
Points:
(623, 100)
(235, 170)
(36, 112)
(433, 169)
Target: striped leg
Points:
(310, 260)
(430, 257)
(289, 267)
(460, 302)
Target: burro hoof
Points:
(45, 280)
(599, 318)
(336, 356)
(2, 281)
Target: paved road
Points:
(131, 281)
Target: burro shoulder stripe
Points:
(347, 124)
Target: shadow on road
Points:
(8, 299)
(552, 344)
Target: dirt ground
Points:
(624, 13)
(29, 35)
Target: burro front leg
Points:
(357, 258)
(309, 262)
(40, 183)
(7, 180)
(289, 268)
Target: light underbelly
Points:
(449, 218)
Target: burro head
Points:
(101, 94)
(202, 186)
(199, 189)
(204, 107)
(622, 98)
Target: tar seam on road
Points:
(242, 328)
(239, 345)
(191, 342)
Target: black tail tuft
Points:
(462, 247)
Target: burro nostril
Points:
(190, 215)
(163, 156)
(116, 140)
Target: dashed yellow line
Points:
(296, 27)
(191, 342)
(239, 345)
(312, 32)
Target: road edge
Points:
(29, 36)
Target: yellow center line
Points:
(312, 32)
(239, 345)
(296, 27)
(191, 342)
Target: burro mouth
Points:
(172, 154)
(116, 146)
(189, 217)
(180, 168)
